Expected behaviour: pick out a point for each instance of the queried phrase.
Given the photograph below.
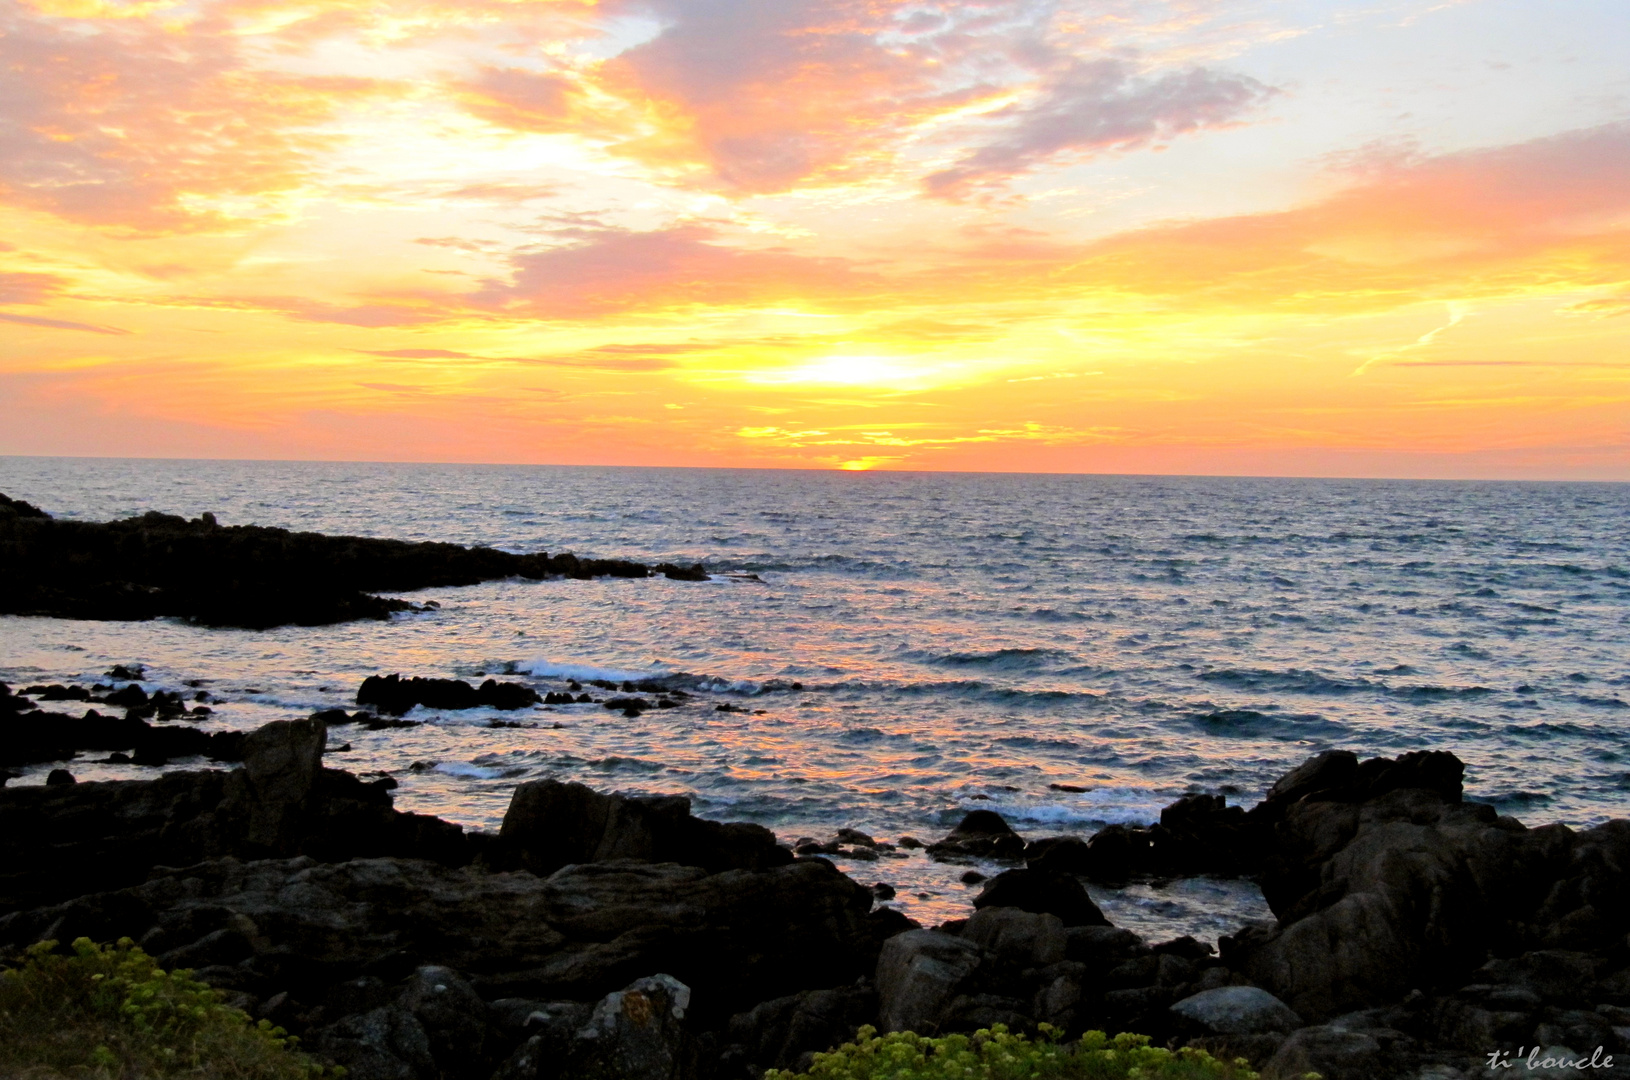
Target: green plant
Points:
(997, 1054)
(111, 1011)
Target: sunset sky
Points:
(1326, 237)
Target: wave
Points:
(1294, 681)
(1253, 724)
(1000, 659)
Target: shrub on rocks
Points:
(109, 1011)
(997, 1054)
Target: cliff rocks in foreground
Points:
(601, 934)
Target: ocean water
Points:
(959, 640)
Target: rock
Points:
(636, 1034)
(395, 695)
(1336, 1053)
(245, 576)
(786, 1032)
(1098, 946)
(385, 1044)
(1017, 936)
(1041, 891)
(1237, 1010)
(981, 834)
(59, 778)
(550, 824)
(1116, 853)
(737, 938)
(1201, 834)
(1058, 854)
(1400, 889)
(281, 765)
(919, 973)
(452, 1015)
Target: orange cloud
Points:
(606, 271)
(132, 125)
(1548, 215)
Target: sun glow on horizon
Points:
(854, 235)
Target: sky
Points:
(1265, 237)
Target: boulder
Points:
(1019, 937)
(551, 824)
(1237, 1010)
(386, 1043)
(454, 1018)
(636, 1033)
(277, 786)
(786, 1032)
(981, 834)
(1042, 891)
(919, 974)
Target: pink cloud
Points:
(612, 270)
(115, 123)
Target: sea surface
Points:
(958, 641)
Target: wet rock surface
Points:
(246, 576)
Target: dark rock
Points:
(919, 974)
(245, 576)
(739, 937)
(1041, 891)
(550, 824)
(395, 695)
(1237, 1010)
(1116, 853)
(1058, 854)
(387, 1043)
(451, 1014)
(981, 834)
(1018, 937)
(1201, 834)
(59, 777)
(636, 1033)
(787, 1032)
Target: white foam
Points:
(477, 772)
(1098, 807)
(551, 669)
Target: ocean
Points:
(905, 647)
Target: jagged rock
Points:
(452, 1015)
(277, 785)
(244, 576)
(1042, 891)
(385, 1044)
(395, 695)
(981, 834)
(550, 824)
(1237, 1010)
(1058, 854)
(637, 1033)
(1116, 853)
(737, 938)
(786, 1032)
(919, 974)
(1019, 937)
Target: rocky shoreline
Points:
(1415, 935)
(246, 576)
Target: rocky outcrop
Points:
(395, 695)
(550, 824)
(30, 735)
(58, 842)
(981, 834)
(245, 576)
